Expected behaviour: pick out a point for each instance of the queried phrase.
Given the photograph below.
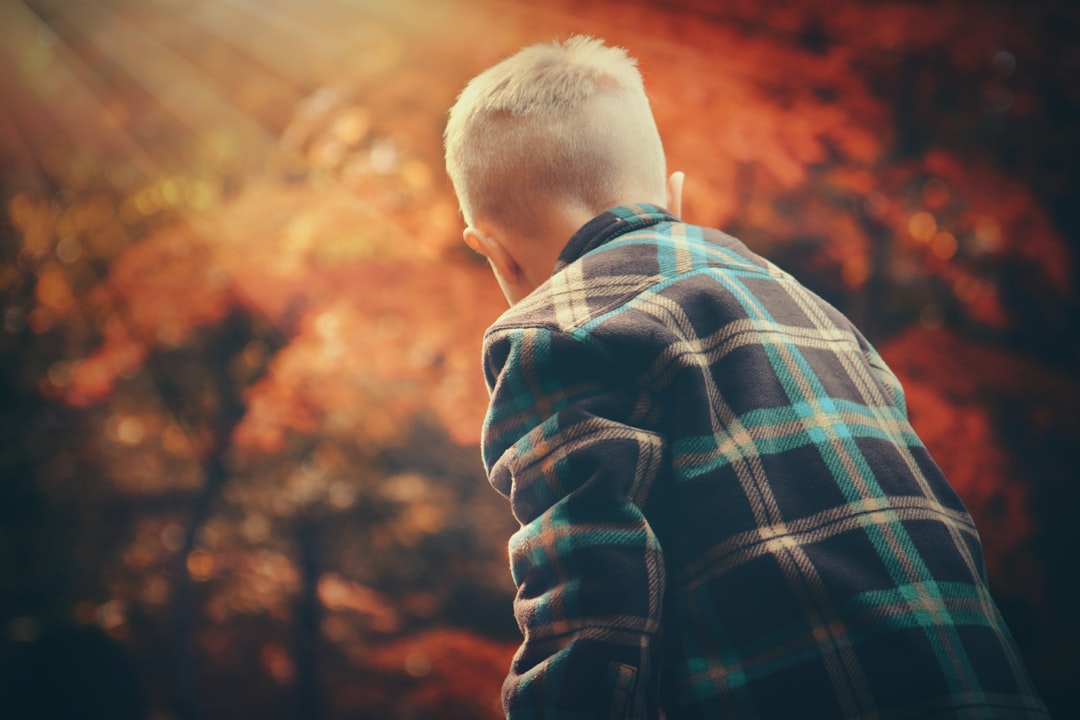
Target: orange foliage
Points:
(346, 242)
(945, 379)
(386, 323)
(400, 339)
(353, 263)
(156, 295)
(454, 674)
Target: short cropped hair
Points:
(560, 122)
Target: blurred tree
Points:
(239, 358)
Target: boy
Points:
(724, 511)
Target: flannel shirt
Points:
(723, 510)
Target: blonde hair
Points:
(555, 123)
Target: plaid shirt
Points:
(724, 511)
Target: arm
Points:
(560, 441)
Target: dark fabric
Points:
(724, 511)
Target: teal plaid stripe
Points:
(724, 510)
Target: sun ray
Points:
(186, 92)
(61, 86)
(22, 171)
(277, 47)
(360, 42)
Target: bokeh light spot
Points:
(68, 250)
(418, 664)
(40, 320)
(922, 226)
(856, 271)
(200, 565)
(130, 430)
(987, 234)
(61, 373)
(275, 662)
(935, 193)
(944, 245)
(175, 440)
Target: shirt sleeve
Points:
(564, 441)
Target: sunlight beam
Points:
(64, 94)
(186, 92)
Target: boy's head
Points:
(545, 140)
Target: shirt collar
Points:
(609, 225)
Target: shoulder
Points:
(627, 270)
(633, 298)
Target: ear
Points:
(674, 193)
(506, 267)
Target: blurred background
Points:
(239, 354)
